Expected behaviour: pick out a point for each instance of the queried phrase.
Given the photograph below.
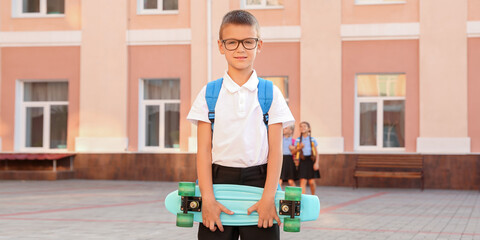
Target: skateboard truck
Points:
(193, 204)
(289, 207)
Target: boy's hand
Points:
(300, 146)
(266, 213)
(211, 214)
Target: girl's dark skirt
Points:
(305, 169)
(289, 171)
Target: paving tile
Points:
(82, 209)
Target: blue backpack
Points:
(265, 97)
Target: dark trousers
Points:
(252, 176)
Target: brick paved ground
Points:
(80, 209)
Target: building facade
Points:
(117, 77)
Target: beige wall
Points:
(219, 64)
(199, 69)
(71, 20)
(443, 69)
(103, 85)
(389, 13)
(320, 69)
(199, 53)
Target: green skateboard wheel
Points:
(184, 219)
(291, 224)
(293, 193)
(186, 189)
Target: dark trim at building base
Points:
(36, 175)
(440, 171)
(136, 166)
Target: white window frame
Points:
(380, 2)
(158, 11)
(17, 6)
(143, 103)
(379, 101)
(287, 99)
(262, 5)
(21, 115)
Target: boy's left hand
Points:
(266, 213)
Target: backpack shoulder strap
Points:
(211, 96)
(265, 97)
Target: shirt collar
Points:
(233, 87)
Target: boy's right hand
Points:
(211, 214)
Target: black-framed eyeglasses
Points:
(232, 44)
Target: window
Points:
(44, 116)
(378, 2)
(157, 6)
(261, 4)
(38, 8)
(380, 112)
(281, 83)
(159, 118)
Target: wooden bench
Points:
(36, 166)
(389, 166)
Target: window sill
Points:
(380, 3)
(380, 150)
(264, 8)
(159, 150)
(40, 16)
(41, 150)
(146, 13)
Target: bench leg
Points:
(356, 182)
(422, 183)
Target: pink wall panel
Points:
(473, 96)
(393, 56)
(282, 59)
(158, 62)
(38, 63)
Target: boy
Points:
(241, 145)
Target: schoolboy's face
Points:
(241, 58)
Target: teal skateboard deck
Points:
(292, 206)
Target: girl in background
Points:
(289, 170)
(306, 152)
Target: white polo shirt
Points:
(240, 135)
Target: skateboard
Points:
(292, 206)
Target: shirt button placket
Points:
(241, 101)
